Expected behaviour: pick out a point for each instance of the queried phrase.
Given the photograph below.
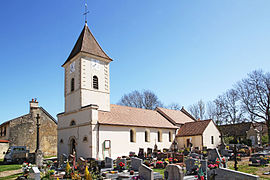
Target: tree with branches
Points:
(145, 99)
(254, 93)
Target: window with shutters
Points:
(95, 82)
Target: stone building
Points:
(21, 131)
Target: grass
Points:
(246, 169)
(10, 167)
(160, 171)
(14, 176)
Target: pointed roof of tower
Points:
(88, 44)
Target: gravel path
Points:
(8, 173)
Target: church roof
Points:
(193, 128)
(88, 44)
(130, 116)
(175, 116)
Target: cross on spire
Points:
(85, 12)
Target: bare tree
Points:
(197, 109)
(254, 92)
(232, 107)
(145, 99)
(174, 106)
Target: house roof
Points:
(175, 116)
(239, 129)
(130, 116)
(193, 128)
(88, 44)
(4, 141)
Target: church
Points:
(94, 128)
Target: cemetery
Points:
(171, 164)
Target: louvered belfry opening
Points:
(95, 82)
(72, 84)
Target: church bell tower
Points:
(87, 74)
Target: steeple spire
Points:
(85, 12)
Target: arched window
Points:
(170, 136)
(159, 136)
(132, 135)
(72, 123)
(72, 85)
(95, 82)
(147, 136)
(85, 139)
(61, 141)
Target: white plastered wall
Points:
(120, 140)
(82, 129)
(211, 130)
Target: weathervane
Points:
(85, 12)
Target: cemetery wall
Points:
(211, 130)
(120, 140)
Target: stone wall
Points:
(22, 132)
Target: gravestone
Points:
(81, 164)
(141, 153)
(179, 157)
(62, 159)
(149, 151)
(136, 163)
(34, 173)
(108, 164)
(190, 165)
(174, 172)
(195, 155)
(213, 155)
(224, 173)
(146, 172)
(39, 158)
(123, 160)
(204, 166)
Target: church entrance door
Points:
(72, 146)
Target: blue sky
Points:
(183, 50)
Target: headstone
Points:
(195, 155)
(141, 153)
(190, 165)
(225, 173)
(213, 154)
(123, 160)
(81, 164)
(108, 164)
(39, 158)
(204, 166)
(174, 172)
(136, 163)
(62, 159)
(146, 172)
(149, 151)
(34, 173)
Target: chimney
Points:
(33, 104)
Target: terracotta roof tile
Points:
(176, 116)
(193, 128)
(129, 116)
(4, 141)
(88, 44)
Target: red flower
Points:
(121, 164)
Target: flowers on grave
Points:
(212, 166)
(68, 169)
(159, 165)
(131, 172)
(175, 160)
(217, 161)
(113, 172)
(170, 160)
(87, 174)
(75, 175)
(26, 167)
(121, 164)
(223, 160)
